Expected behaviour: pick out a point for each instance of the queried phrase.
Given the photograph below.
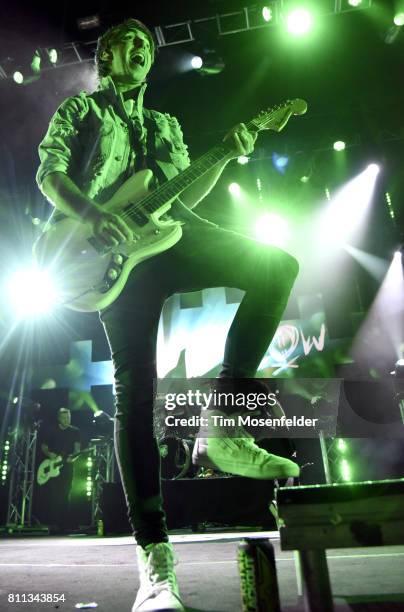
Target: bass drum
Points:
(176, 457)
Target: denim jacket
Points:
(89, 139)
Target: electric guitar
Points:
(50, 468)
(91, 276)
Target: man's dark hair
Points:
(112, 36)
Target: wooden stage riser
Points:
(385, 508)
(342, 536)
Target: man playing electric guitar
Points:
(94, 143)
(63, 442)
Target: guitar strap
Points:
(151, 151)
(146, 158)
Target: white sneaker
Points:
(238, 455)
(158, 583)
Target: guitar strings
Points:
(135, 207)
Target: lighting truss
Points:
(243, 20)
(22, 459)
(104, 466)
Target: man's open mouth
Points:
(138, 58)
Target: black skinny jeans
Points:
(206, 256)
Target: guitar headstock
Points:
(276, 117)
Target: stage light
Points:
(4, 468)
(386, 315)
(31, 292)
(342, 445)
(196, 62)
(243, 159)
(18, 77)
(400, 365)
(373, 169)
(299, 22)
(375, 266)
(345, 470)
(272, 229)
(390, 205)
(339, 145)
(354, 2)
(52, 55)
(399, 19)
(89, 480)
(280, 162)
(267, 13)
(4, 474)
(208, 63)
(348, 208)
(36, 62)
(235, 190)
(30, 72)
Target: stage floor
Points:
(102, 570)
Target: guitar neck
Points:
(274, 119)
(179, 183)
(172, 188)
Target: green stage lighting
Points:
(342, 445)
(390, 205)
(339, 145)
(267, 13)
(235, 190)
(299, 22)
(36, 62)
(272, 229)
(243, 159)
(345, 470)
(354, 2)
(399, 19)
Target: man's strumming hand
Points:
(109, 229)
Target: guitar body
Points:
(89, 277)
(49, 468)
